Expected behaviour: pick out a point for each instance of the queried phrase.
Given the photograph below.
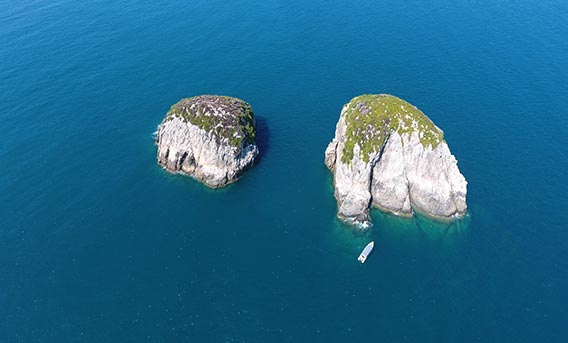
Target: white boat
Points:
(365, 253)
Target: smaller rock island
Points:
(386, 153)
(209, 137)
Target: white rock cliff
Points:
(386, 153)
(211, 138)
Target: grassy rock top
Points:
(225, 117)
(371, 118)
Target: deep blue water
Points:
(98, 244)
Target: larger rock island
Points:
(386, 153)
(211, 138)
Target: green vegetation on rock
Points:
(225, 117)
(371, 118)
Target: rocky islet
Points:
(386, 153)
(209, 137)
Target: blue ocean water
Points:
(98, 244)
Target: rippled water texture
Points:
(98, 244)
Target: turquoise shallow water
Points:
(98, 244)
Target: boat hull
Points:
(365, 253)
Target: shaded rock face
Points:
(211, 138)
(386, 153)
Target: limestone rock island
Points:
(211, 138)
(388, 154)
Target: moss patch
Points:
(225, 117)
(371, 118)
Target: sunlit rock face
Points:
(388, 154)
(211, 138)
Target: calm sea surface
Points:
(98, 244)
